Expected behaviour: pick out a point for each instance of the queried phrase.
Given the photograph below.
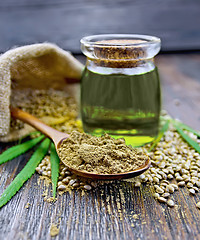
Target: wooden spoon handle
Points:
(50, 132)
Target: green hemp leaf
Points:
(55, 161)
(19, 149)
(25, 173)
(190, 141)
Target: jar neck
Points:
(127, 67)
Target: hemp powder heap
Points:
(101, 155)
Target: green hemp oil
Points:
(121, 105)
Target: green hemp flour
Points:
(101, 155)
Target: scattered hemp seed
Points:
(198, 205)
(170, 188)
(174, 164)
(101, 155)
(62, 188)
(192, 191)
(137, 184)
(67, 180)
(166, 195)
(156, 195)
(181, 184)
(162, 199)
(159, 190)
(170, 203)
(87, 187)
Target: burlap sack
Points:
(38, 66)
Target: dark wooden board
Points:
(117, 210)
(65, 22)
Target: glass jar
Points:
(120, 87)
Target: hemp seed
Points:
(198, 205)
(137, 184)
(65, 180)
(170, 188)
(72, 181)
(162, 199)
(166, 195)
(189, 185)
(181, 184)
(159, 190)
(170, 203)
(87, 187)
(192, 191)
(62, 188)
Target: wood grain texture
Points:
(180, 79)
(65, 22)
(114, 210)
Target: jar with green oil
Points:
(120, 87)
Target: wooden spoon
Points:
(58, 137)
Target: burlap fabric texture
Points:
(37, 66)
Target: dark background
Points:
(65, 22)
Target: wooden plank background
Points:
(65, 22)
(115, 210)
(112, 211)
